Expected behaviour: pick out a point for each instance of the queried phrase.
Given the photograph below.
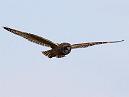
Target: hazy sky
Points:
(99, 71)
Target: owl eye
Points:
(66, 51)
(68, 48)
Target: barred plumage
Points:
(57, 50)
(84, 45)
(33, 38)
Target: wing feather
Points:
(33, 38)
(84, 45)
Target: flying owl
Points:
(57, 50)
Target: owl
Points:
(57, 50)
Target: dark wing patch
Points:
(33, 38)
(84, 45)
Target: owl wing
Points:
(33, 38)
(84, 45)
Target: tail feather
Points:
(48, 53)
(52, 53)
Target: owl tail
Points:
(49, 53)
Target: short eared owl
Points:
(57, 50)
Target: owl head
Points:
(65, 48)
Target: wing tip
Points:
(6, 28)
(122, 40)
(116, 41)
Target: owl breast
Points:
(65, 48)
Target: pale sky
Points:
(99, 71)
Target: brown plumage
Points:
(57, 50)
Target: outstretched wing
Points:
(33, 38)
(84, 45)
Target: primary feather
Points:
(84, 45)
(33, 38)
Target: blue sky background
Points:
(99, 71)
